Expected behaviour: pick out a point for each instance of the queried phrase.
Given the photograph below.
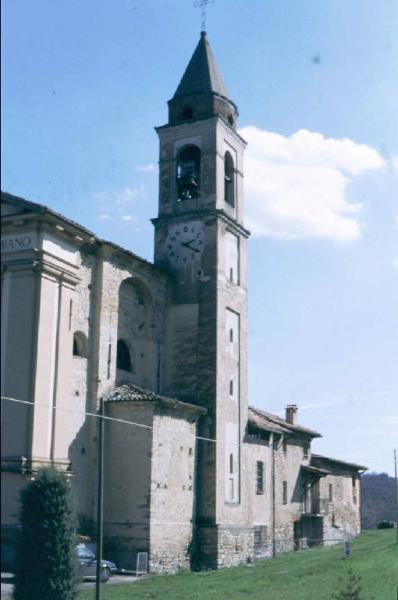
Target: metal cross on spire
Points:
(203, 5)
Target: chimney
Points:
(291, 410)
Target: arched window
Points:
(188, 173)
(187, 112)
(123, 360)
(79, 344)
(229, 179)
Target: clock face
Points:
(184, 244)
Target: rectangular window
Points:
(284, 492)
(70, 314)
(354, 489)
(260, 477)
(260, 540)
(284, 447)
(232, 257)
(330, 492)
(108, 374)
(231, 489)
(306, 450)
(231, 388)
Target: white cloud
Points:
(296, 186)
(395, 263)
(120, 201)
(390, 420)
(146, 168)
(320, 405)
(394, 161)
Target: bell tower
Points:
(201, 241)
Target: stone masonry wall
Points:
(172, 491)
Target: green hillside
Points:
(306, 575)
(377, 499)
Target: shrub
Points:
(350, 587)
(385, 525)
(46, 564)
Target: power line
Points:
(95, 415)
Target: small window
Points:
(354, 489)
(229, 179)
(284, 447)
(108, 373)
(330, 492)
(231, 388)
(123, 361)
(306, 449)
(231, 335)
(79, 344)
(259, 477)
(70, 314)
(187, 112)
(284, 492)
(231, 463)
(231, 119)
(231, 489)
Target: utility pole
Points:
(396, 492)
(100, 498)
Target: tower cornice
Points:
(215, 118)
(200, 214)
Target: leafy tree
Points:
(46, 564)
(350, 587)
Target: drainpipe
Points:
(273, 496)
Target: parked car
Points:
(88, 564)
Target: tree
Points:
(46, 564)
(350, 587)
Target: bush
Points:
(350, 587)
(385, 525)
(46, 564)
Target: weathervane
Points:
(203, 4)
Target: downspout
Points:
(92, 400)
(95, 331)
(273, 496)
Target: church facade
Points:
(193, 475)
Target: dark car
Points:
(88, 564)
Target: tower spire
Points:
(201, 92)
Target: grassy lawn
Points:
(305, 575)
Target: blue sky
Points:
(316, 83)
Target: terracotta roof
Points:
(271, 422)
(317, 458)
(133, 393)
(315, 470)
(261, 421)
(202, 75)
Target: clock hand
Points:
(188, 245)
